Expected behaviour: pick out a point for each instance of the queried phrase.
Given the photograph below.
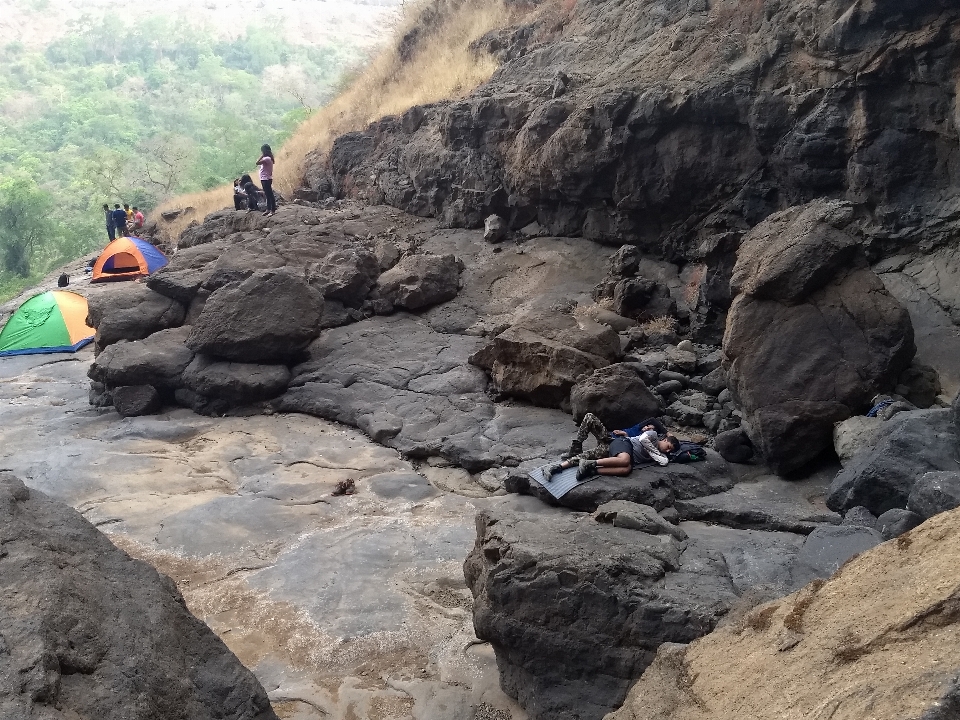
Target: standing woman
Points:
(266, 178)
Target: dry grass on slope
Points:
(879, 640)
(428, 60)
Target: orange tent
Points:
(127, 258)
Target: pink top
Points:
(266, 167)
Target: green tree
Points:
(24, 222)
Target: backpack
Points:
(688, 452)
(63, 280)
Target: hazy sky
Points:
(36, 22)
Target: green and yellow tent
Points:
(50, 322)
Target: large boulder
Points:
(616, 395)
(419, 281)
(805, 352)
(269, 317)
(794, 252)
(575, 610)
(934, 493)
(881, 477)
(346, 275)
(545, 353)
(157, 360)
(89, 632)
(131, 311)
(235, 383)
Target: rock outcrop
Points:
(881, 628)
(269, 317)
(694, 122)
(575, 608)
(806, 344)
(89, 632)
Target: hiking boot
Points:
(576, 447)
(586, 469)
(553, 470)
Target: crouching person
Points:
(617, 452)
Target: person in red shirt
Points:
(137, 218)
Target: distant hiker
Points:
(250, 190)
(129, 212)
(266, 178)
(239, 196)
(111, 226)
(137, 218)
(617, 452)
(63, 280)
(120, 220)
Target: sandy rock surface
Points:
(343, 607)
(820, 653)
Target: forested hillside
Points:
(116, 109)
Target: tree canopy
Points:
(136, 112)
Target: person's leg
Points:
(619, 464)
(271, 200)
(590, 425)
(112, 233)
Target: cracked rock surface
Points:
(343, 607)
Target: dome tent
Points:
(127, 258)
(51, 322)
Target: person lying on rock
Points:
(617, 452)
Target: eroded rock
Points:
(77, 614)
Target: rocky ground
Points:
(343, 607)
(463, 360)
(741, 219)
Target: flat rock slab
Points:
(652, 485)
(240, 513)
(766, 503)
(412, 389)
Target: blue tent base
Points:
(47, 351)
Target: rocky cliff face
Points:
(679, 123)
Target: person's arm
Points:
(260, 161)
(649, 443)
(657, 425)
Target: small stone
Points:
(894, 523)
(686, 346)
(668, 388)
(725, 397)
(684, 414)
(681, 360)
(494, 229)
(859, 515)
(667, 375)
(712, 420)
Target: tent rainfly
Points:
(51, 322)
(127, 258)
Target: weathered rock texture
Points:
(808, 344)
(882, 628)
(576, 610)
(89, 632)
(689, 123)
(910, 445)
